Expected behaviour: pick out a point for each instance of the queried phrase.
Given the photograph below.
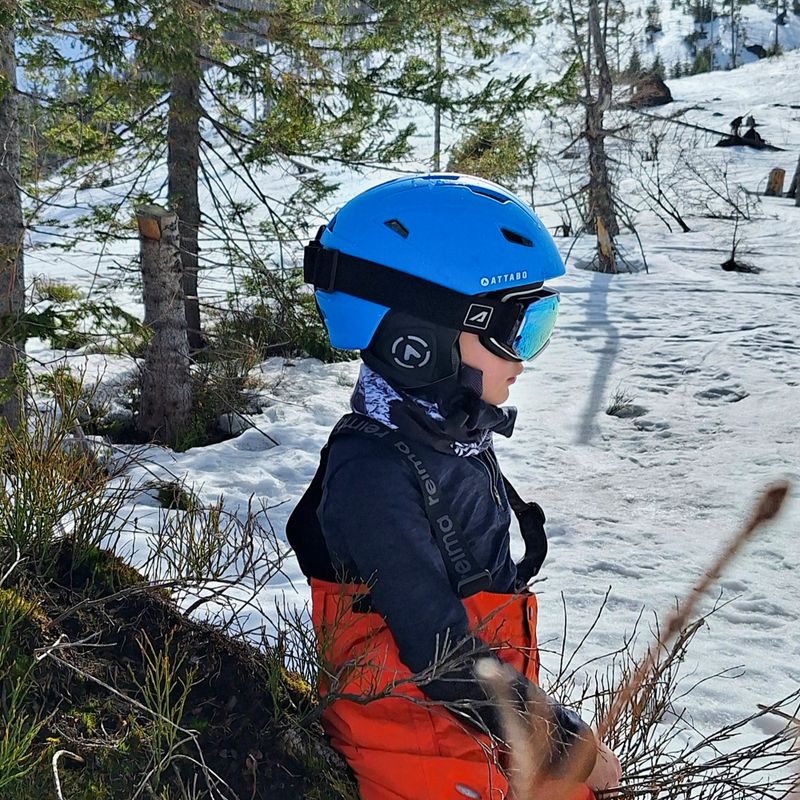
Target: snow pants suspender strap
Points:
(305, 536)
(531, 520)
(462, 570)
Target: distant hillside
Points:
(698, 35)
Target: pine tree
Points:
(12, 275)
(702, 61)
(702, 11)
(653, 12)
(634, 69)
(465, 38)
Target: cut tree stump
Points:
(166, 390)
(775, 182)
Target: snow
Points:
(756, 26)
(640, 505)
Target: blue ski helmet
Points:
(449, 252)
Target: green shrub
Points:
(54, 487)
(702, 61)
(72, 324)
(276, 315)
(56, 291)
(495, 150)
(174, 496)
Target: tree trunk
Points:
(183, 159)
(795, 182)
(775, 182)
(601, 201)
(437, 109)
(166, 390)
(606, 255)
(12, 276)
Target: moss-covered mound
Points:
(103, 675)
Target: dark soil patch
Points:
(732, 265)
(253, 721)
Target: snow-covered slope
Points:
(668, 30)
(642, 504)
(755, 26)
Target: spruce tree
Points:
(325, 82)
(12, 275)
(634, 69)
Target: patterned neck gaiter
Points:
(464, 430)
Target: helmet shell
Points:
(462, 232)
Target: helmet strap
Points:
(330, 270)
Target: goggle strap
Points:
(330, 270)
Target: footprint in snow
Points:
(652, 424)
(721, 394)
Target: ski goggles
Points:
(534, 329)
(515, 325)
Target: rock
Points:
(629, 411)
(732, 265)
(756, 50)
(650, 90)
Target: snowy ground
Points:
(640, 504)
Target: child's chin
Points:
(497, 399)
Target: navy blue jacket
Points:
(373, 520)
(374, 524)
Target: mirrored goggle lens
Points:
(536, 327)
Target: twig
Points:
(56, 779)
(17, 562)
(251, 768)
(527, 763)
(531, 772)
(768, 507)
(63, 643)
(781, 714)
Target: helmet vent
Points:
(516, 238)
(397, 227)
(490, 193)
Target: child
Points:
(439, 281)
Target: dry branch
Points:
(767, 508)
(531, 743)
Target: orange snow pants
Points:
(403, 746)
